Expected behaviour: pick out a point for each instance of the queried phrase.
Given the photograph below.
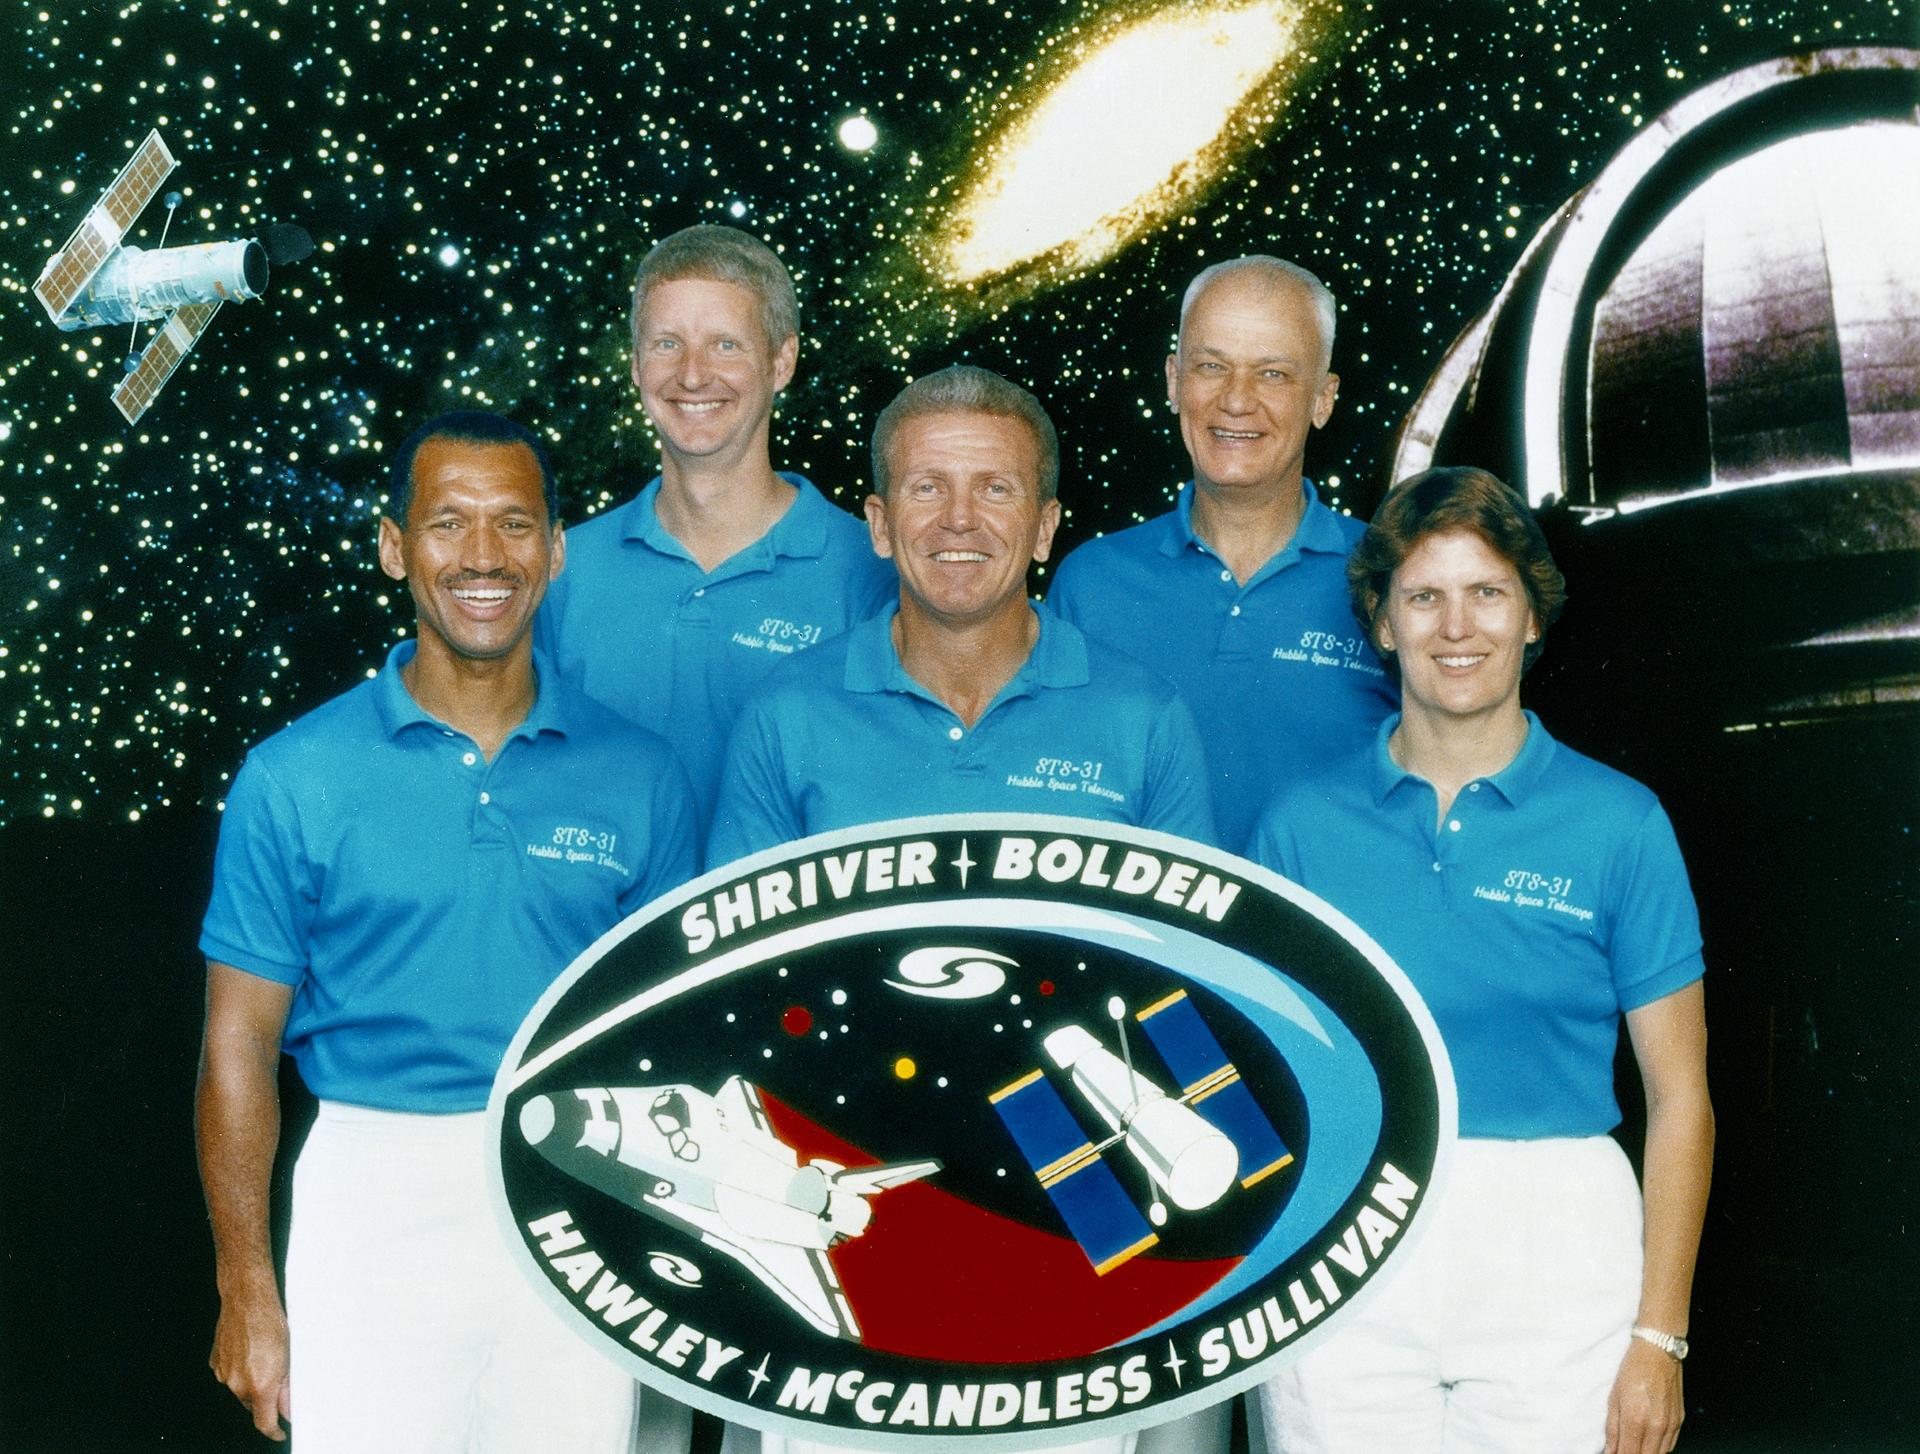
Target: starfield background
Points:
(481, 178)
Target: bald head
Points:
(1259, 273)
(1250, 379)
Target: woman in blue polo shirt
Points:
(1535, 899)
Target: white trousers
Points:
(1503, 1330)
(1205, 1432)
(743, 1441)
(412, 1332)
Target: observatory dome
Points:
(1711, 355)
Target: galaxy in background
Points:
(1026, 190)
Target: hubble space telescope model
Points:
(714, 1164)
(95, 280)
(1193, 1147)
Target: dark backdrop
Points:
(481, 187)
(1804, 1322)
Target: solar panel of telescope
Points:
(1210, 1084)
(99, 233)
(181, 331)
(1081, 1186)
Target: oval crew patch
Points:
(996, 1131)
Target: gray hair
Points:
(721, 255)
(965, 389)
(1274, 273)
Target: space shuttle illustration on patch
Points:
(1195, 1147)
(713, 1164)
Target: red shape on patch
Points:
(935, 1276)
(1046, 986)
(797, 1020)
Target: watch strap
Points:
(1671, 1344)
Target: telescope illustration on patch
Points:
(1194, 1146)
(714, 1164)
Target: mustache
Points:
(469, 578)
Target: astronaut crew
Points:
(806, 674)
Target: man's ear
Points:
(1323, 402)
(876, 508)
(1049, 522)
(393, 555)
(786, 358)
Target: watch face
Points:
(989, 1131)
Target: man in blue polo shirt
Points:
(675, 605)
(400, 874)
(1239, 593)
(966, 697)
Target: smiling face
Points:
(1459, 618)
(706, 373)
(478, 548)
(1249, 383)
(962, 518)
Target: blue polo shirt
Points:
(420, 898)
(1551, 900)
(1280, 676)
(636, 623)
(844, 736)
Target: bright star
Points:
(858, 134)
(449, 255)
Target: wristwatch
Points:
(1668, 1343)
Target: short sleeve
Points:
(1273, 844)
(755, 808)
(1654, 943)
(1178, 798)
(674, 840)
(264, 891)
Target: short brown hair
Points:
(968, 389)
(1455, 498)
(721, 255)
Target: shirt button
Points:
(1436, 868)
(488, 798)
(955, 733)
(701, 591)
(468, 758)
(1226, 575)
(1453, 826)
(1473, 787)
(1236, 610)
